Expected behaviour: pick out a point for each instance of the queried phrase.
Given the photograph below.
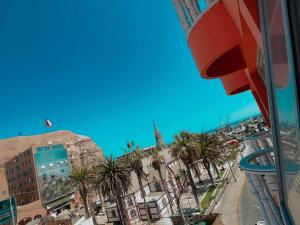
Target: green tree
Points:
(156, 162)
(184, 148)
(78, 181)
(94, 183)
(134, 159)
(114, 181)
(208, 148)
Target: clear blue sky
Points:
(105, 69)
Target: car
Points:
(260, 223)
(37, 216)
(24, 221)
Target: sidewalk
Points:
(228, 203)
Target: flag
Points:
(48, 123)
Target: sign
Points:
(6, 208)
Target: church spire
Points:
(160, 144)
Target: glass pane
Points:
(287, 106)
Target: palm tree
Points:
(156, 162)
(114, 181)
(78, 181)
(209, 151)
(134, 159)
(184, 148)
(94, 183)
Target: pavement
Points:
(229, 201)
(248, 210)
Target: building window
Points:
(113, 214)
(130, 202)
(157, 186)
(44, 177)
(133, 213)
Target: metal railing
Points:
(191, 11)
(259, 166)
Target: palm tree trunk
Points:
(90, 201)
(144, 198)
(179, 208)
(207, 167)
(196, 169)
(83, 194)
(194, 189)
(166, 189)
(86, 207)
(216, 168)
(123, 214)
(100, 198)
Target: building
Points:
(39, 174)
(253, 45)
(21, 177)
(53, 169)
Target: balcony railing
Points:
(259, 166)
(191, 11)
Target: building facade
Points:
(253, 45)
(39, 174)
(53, 169)
(157, 202)
(21, 177)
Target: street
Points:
(248, 211)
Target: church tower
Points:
(160, 144)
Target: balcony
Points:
(258, 164)
(235, 83)
(214, 41)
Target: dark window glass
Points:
(133, 213)
(44, 177)
(129, 202)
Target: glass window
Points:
(129, 202)
(286, 101)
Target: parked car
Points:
(37, 216)
(260, 223)
(24, 221)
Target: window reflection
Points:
(287, 108)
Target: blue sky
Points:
(105, 69)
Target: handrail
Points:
(263, 134)
(246, 164)
(209, 6)
(190, 12)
